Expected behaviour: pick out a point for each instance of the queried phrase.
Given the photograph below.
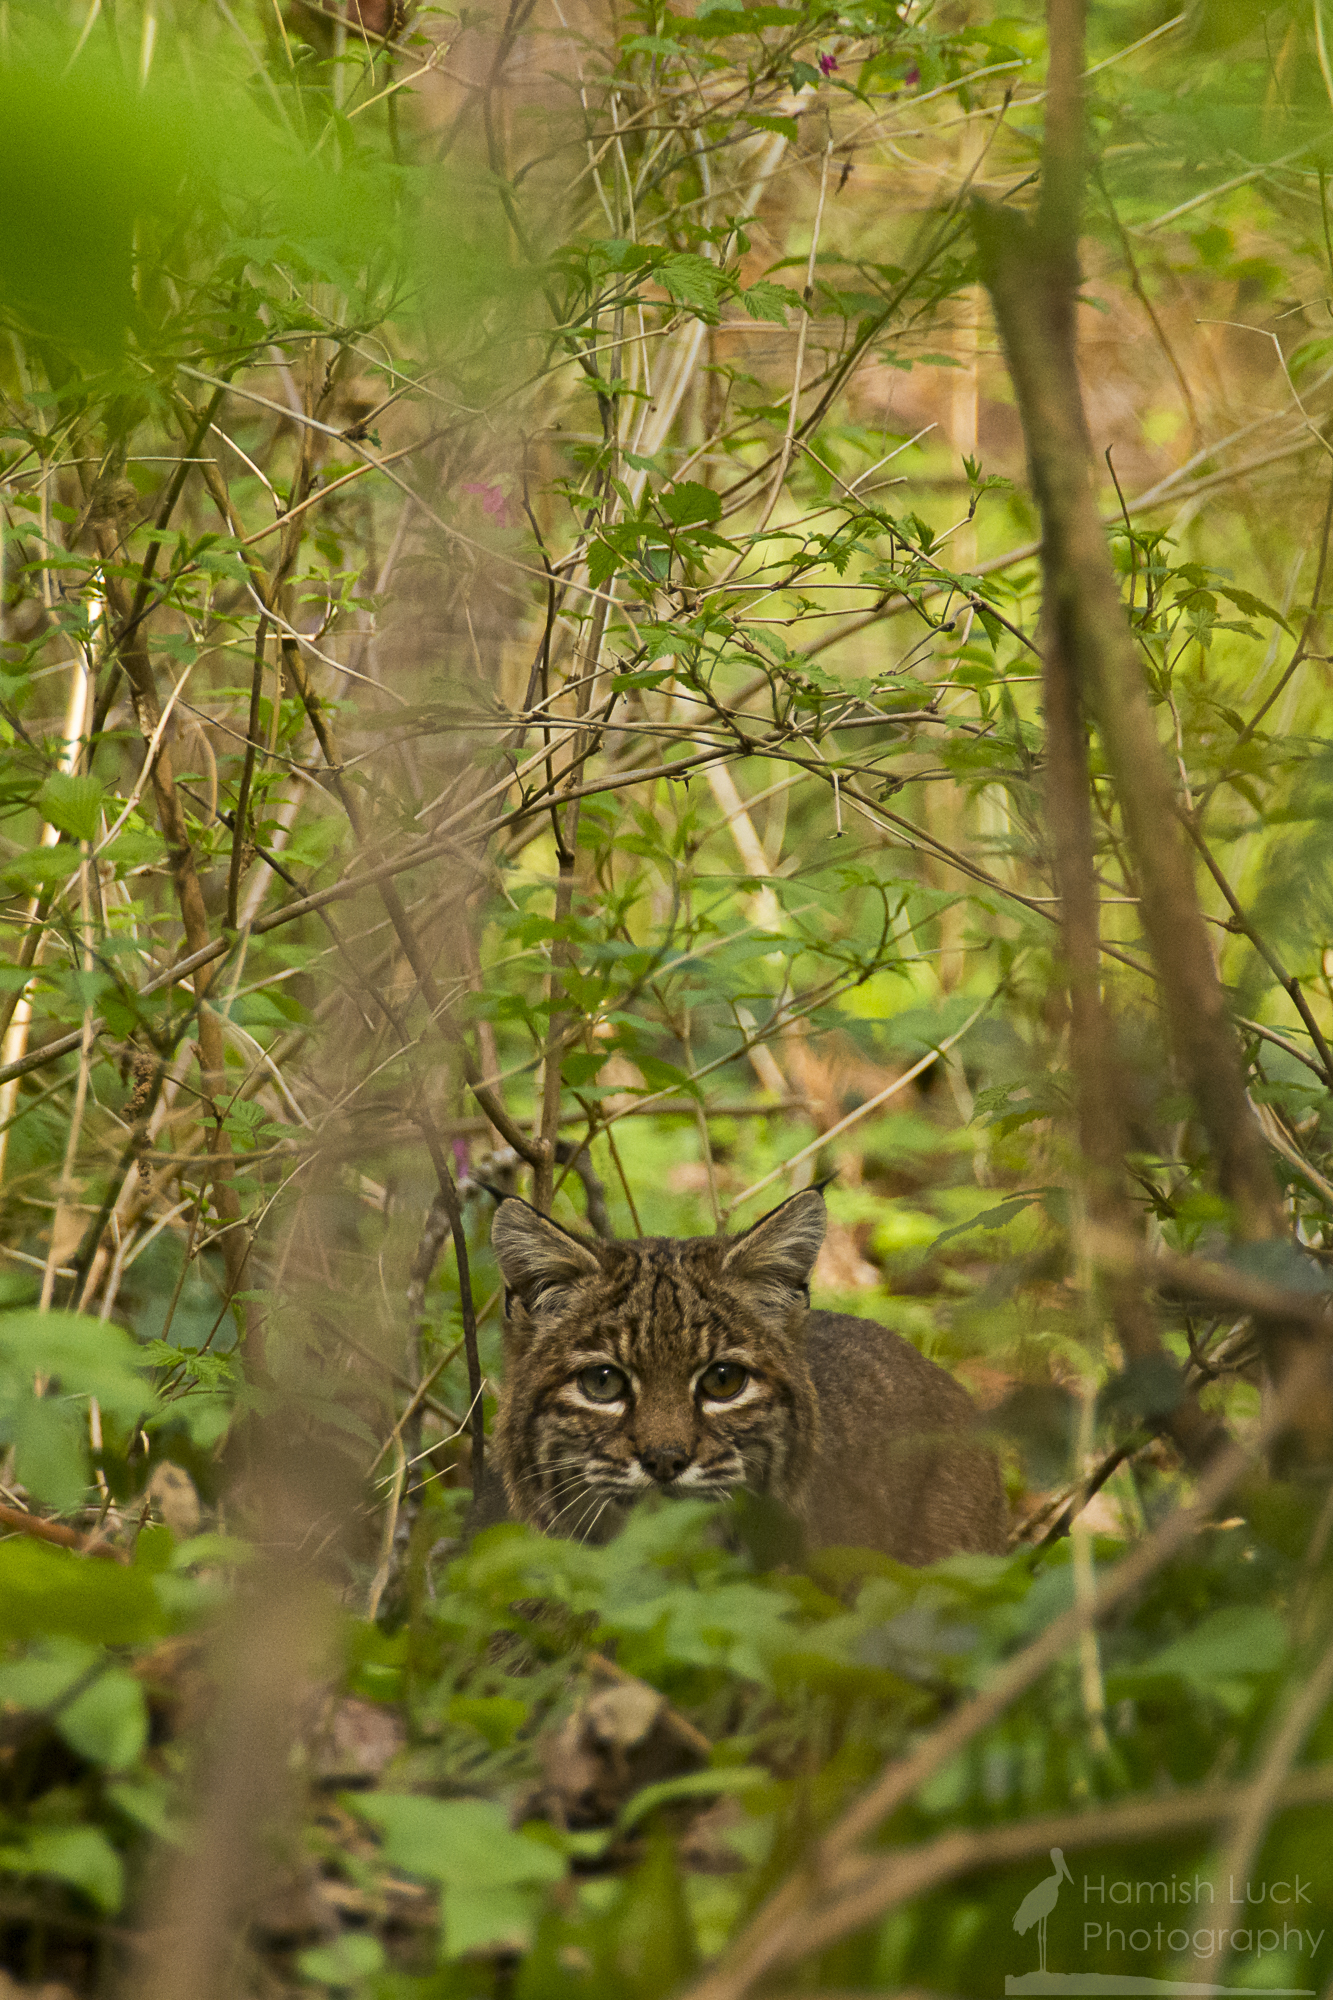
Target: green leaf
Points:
(667, 1076)
(44, 1676)
(603, 562)
(87, 1357)
(79, 1855)
(691, 502)
(77, 1358)
(483, 1866)
(42, 867)
(315, 840)
(1252, 606)
(108, 1722)
(72, 805)
(692, 281)
(1308, 354)
(466, 1842)
(1239, 1640)
(146, 1802)
(353, 1956)
(693, 1785)
(766, 121)
(769, 301)
(46, 1591)
(990, 1218)
(51, 1458)
(89, 157)
(497, 1717)
(500, 1919)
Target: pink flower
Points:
(493, 502)
(828, 64)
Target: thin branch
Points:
(1290, 985)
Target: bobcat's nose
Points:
(664, 1461)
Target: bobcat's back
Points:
(898, 1459)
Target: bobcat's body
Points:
(693, 1367)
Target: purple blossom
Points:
(827, 65)
(492, 500)
(912, 77)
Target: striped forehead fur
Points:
(656, 1317)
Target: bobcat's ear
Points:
(538, 1260)
(776, 1256)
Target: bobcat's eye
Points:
(724, 1380)
(603, 1384)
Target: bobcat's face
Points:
(653, 1366)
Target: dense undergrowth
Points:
(522, 667)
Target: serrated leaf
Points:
(603, 562)
(691, 502)
(72, 804)
(765, 121)
(990, 1218)
(692, 281)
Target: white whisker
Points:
(587, 1532)
(582, 1494)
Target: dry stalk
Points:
(865, 1888)
(194, 917)
(1030, 285)
(1265, 1794)
(1099, 1079)
(1031, 271)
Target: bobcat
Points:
(695, 1367)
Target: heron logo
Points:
(1129, 1932)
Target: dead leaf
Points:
(705, 1846)
(840, 1267)
(354, 1741)
(617, 1740)
(174, 1499)
(620, 1717)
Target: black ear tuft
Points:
(538, 1260)
(776, 1256)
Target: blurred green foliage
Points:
(418, 339)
